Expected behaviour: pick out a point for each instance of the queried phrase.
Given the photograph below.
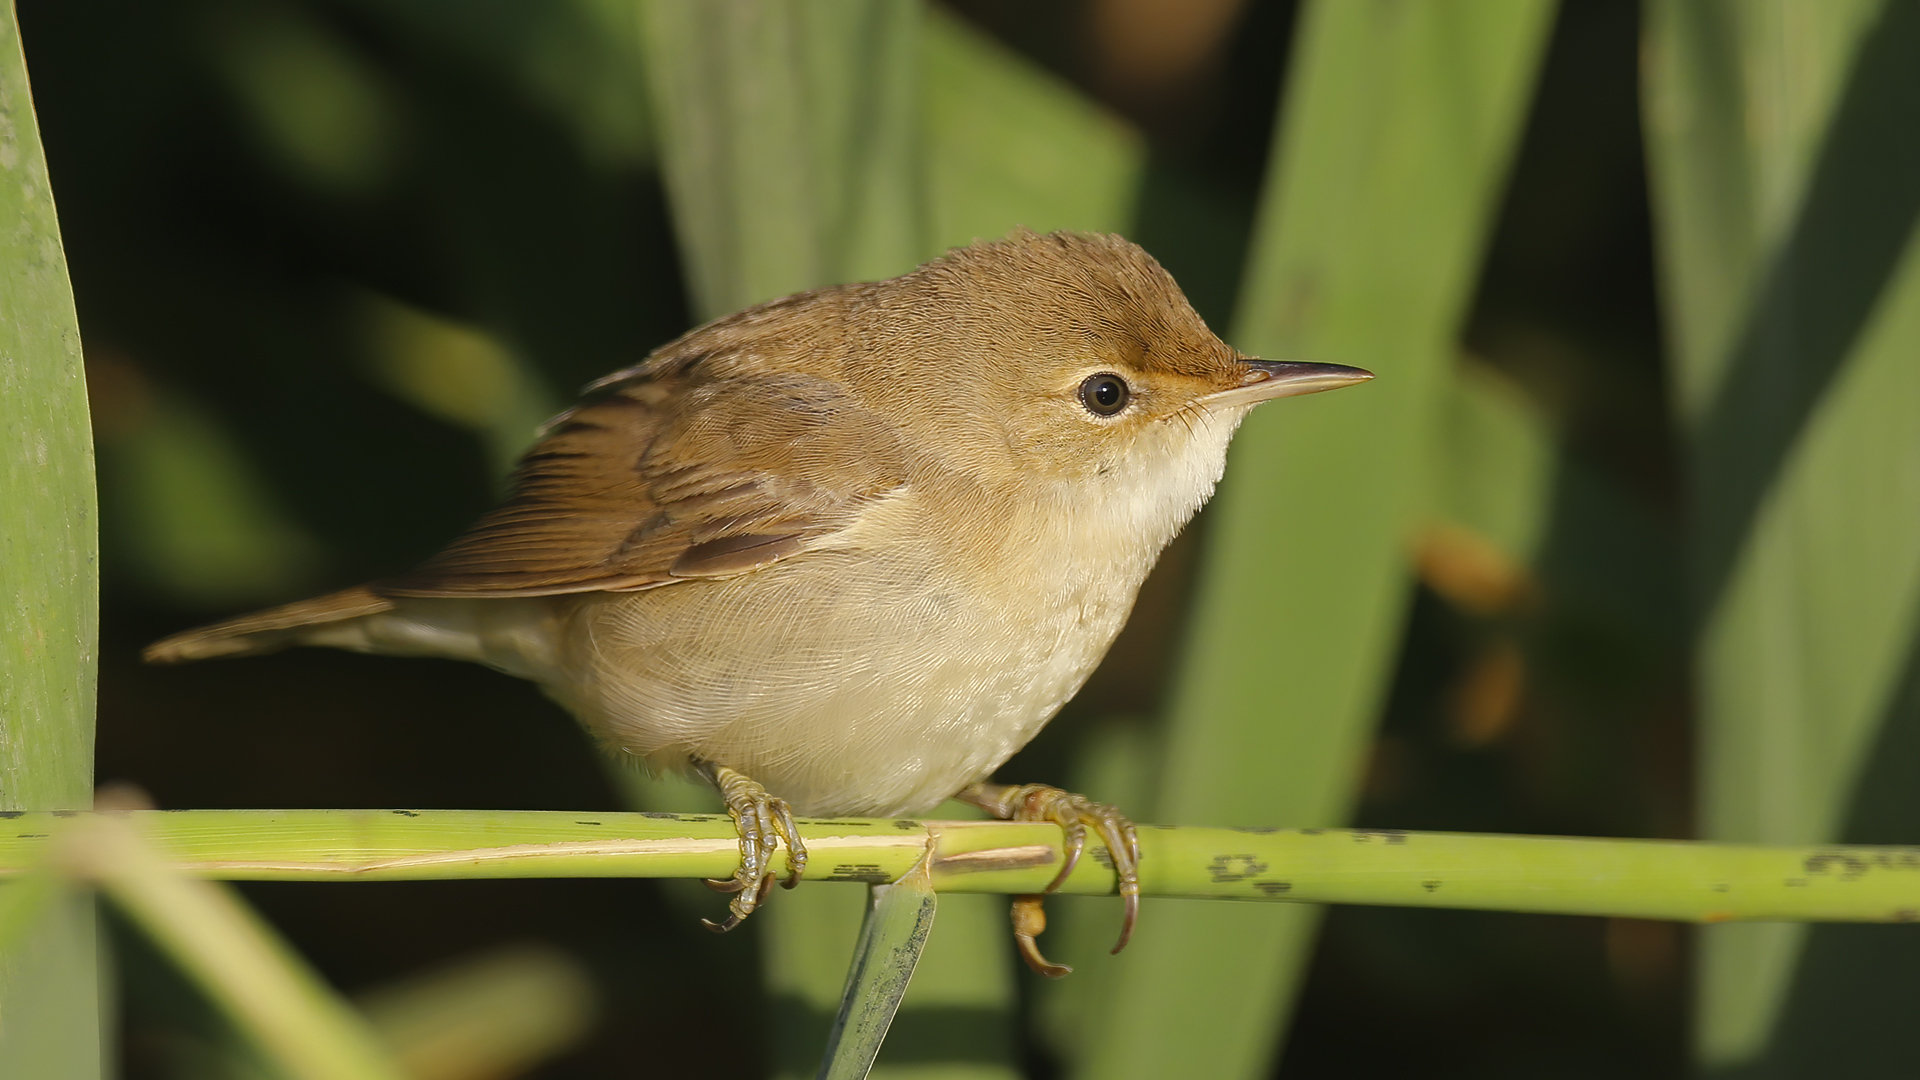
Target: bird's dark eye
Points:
(1104, 394)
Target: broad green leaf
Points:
(47, 577)
(1738, 93)
(1009, 144)
(1785, 193)
(1397, 127)
(1807, 648)
(49, 586)
(788, 137)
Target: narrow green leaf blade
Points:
(899, 918)
(1397, 127)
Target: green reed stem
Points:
(1693, 882)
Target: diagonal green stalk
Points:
(1653, 879)
(249, 973)
(899, 918)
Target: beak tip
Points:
(1264, 380)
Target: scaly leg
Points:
(1073, 813)
(762, 821)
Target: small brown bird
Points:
(845, 552)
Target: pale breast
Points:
(908, 657)
(878, 679)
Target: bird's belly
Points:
(845, 686)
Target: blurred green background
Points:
(335, 260)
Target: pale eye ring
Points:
(1105, 394)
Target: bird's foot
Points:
(763, 822)
(1074, 814)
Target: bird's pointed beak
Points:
(1264, 380)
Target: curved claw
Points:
(1073, 813)
(1123, 846)
(1075, 845)
(1029, 922)
(744, 904)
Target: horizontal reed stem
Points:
(1654, 879)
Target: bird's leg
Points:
(1073, 813)
(763, 822)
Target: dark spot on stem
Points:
(867, 872)
(1225, 868)
(1848, 865)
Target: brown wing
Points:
(654, 480)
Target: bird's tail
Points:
(266, 631)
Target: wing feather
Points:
(647, 482)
